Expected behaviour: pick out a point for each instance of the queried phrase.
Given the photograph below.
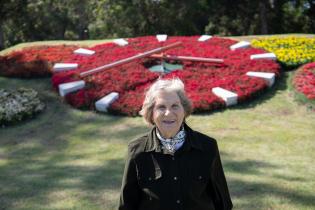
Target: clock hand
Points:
(187, 58)
(129, 59)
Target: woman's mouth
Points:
(169, 122)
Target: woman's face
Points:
(168, 113)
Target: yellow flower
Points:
(291, 51)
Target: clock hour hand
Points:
(186, 58)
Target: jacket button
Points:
(178, 201)
(149, 178)
(199, 177)
(173, 158)
(175, 178)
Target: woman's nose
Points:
(167, 112)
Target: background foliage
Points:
(33, 20)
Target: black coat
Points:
(190, 179)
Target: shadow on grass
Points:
(37, 162)
(32, 174)
(254, 194)
(35, 166)
(27, 178)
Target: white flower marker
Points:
(103, 104)
(269, 77)
(229, 97)
(270, 56)
(82, 51)
(239, 45)
(161, 37)
(120, 42)
(64, 66)
(204, 38)
(70, 87)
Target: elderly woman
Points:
(172, 167)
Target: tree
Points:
(25, 20)
(8, 9)
(144, 17)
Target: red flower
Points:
(304, 80)
(34, 61)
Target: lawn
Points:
(71, 159)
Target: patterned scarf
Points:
(174, 143)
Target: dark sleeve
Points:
(130, 191)
(217, 187)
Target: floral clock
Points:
(98, 78)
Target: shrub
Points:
(18, 105)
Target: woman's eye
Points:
(175, 106)
(161, 107)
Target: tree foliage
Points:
(31, 20)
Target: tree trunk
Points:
(82, 11)
(311, 14)
(263, 17)
(1, 37)
(278, 12)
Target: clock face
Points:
(201, 79)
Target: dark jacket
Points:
(190, 179)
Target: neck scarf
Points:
(174, 143)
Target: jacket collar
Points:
(153, 144)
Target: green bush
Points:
(18, 105)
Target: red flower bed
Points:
(34, 61)
(132, 79)
(304, 80)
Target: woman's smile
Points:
(168, 113)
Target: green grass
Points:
(71, 159)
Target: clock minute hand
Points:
(187, 58)
(129, 59)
